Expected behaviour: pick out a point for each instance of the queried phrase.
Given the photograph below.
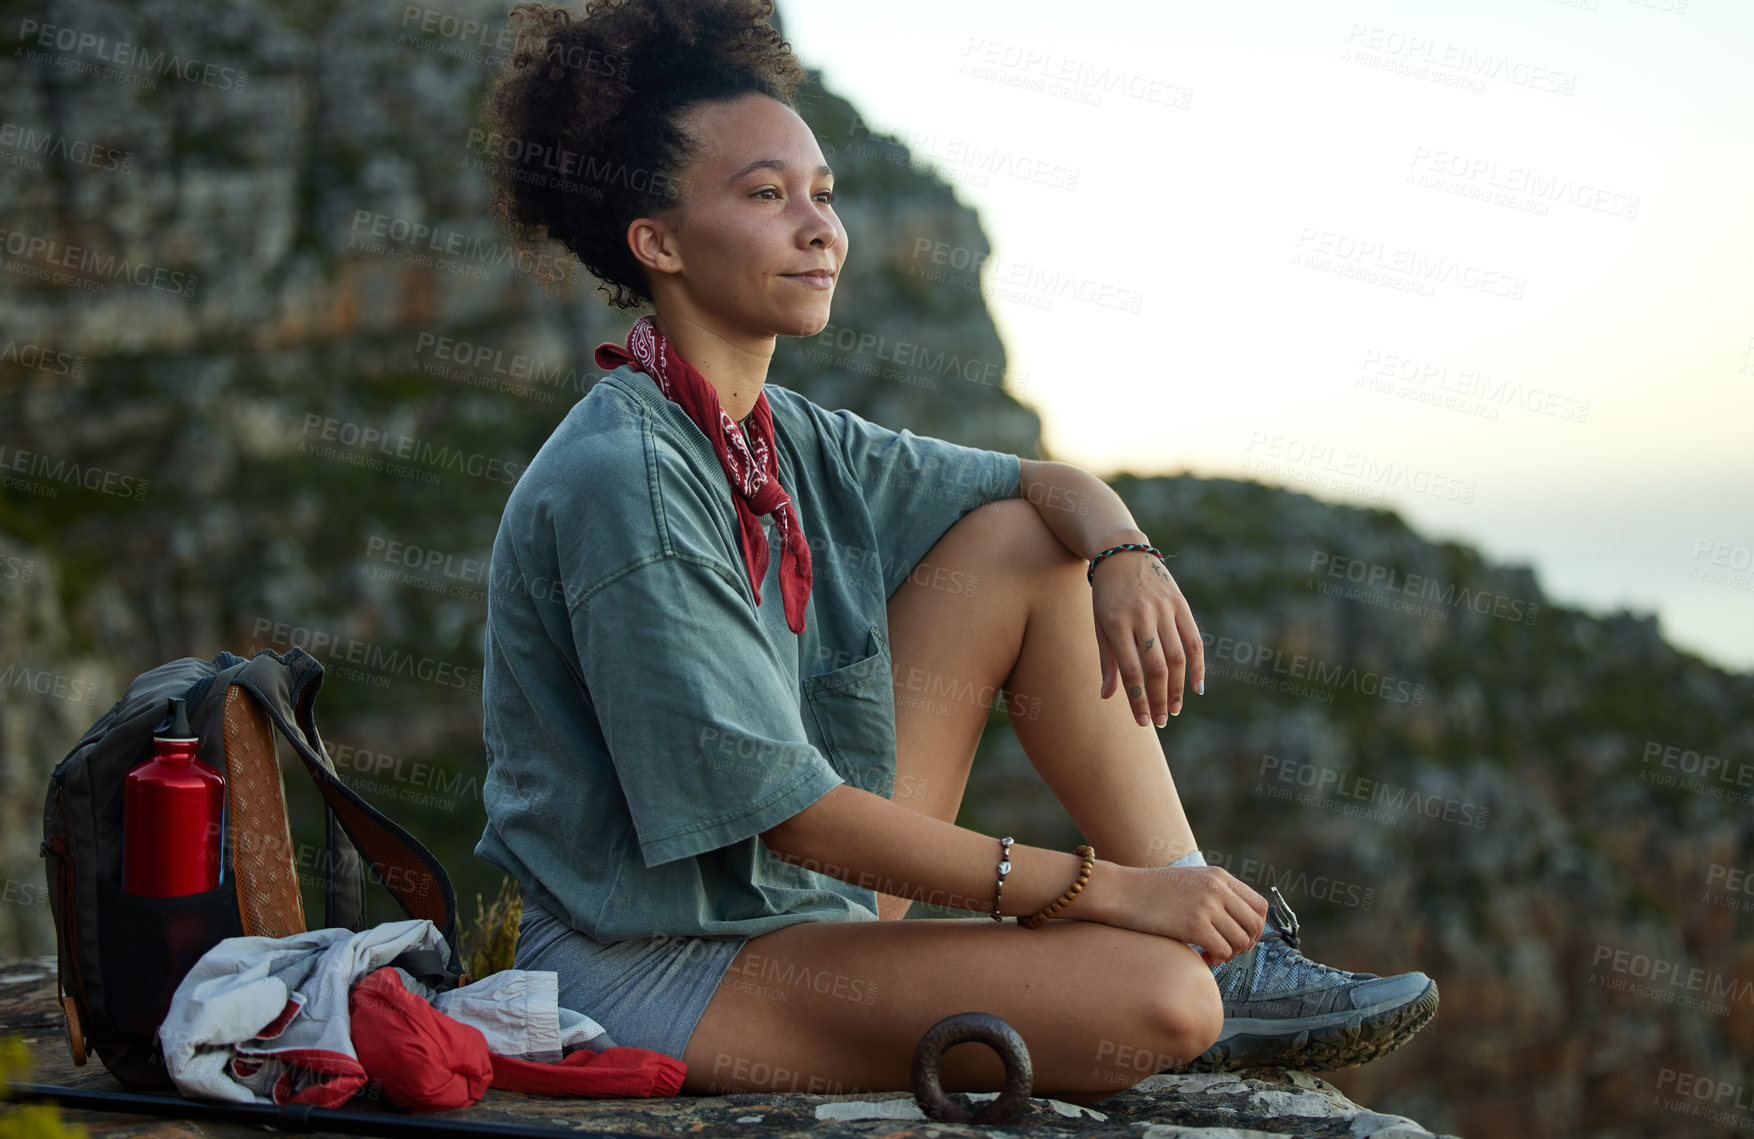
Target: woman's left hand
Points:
(1146, 635)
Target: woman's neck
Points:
(737, 370)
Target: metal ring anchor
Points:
(980, 1028)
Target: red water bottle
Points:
(172, 817)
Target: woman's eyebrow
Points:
(775, 164)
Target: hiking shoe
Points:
(1282, 1010)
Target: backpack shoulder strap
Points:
(286, 687)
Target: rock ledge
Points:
(1194, 1106)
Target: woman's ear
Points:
(654, 244)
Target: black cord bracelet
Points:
(1091, 576)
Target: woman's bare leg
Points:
(836, 1007)
(1027, 625)
(1030, 625)
(828, 1006)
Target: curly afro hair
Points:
(582, 119)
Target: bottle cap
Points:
(179, 729)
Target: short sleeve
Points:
(700, 719)
(916, 487)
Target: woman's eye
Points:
(830, 196)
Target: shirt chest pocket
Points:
(853, 712)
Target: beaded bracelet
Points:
(1040, 917)
(1091, 576)
(1004, 869)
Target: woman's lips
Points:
(821, 278)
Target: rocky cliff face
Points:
(268, 370)
(245, 249)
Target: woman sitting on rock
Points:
(715, 606)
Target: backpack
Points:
(120, 956)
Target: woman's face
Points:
(759, 218)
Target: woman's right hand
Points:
(1202, 905)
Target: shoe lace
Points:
(1284, 927)
(1282, 963)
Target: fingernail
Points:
(1176, 709)
(1162, 719)
(1142, 720)
(1201, 687)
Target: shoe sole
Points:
(1329, 1048)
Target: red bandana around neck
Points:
(750, 461)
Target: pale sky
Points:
(1298, 199)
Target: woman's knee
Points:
(1015, 527)
(1190, 1011)
(1174, 1019)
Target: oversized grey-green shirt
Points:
(645, 719)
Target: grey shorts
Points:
(647, 992)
